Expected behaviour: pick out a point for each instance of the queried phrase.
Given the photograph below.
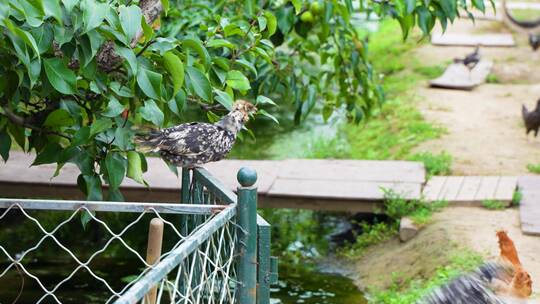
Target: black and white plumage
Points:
(486, 285)
(197, 143)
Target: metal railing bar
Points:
(132, 207)
(214, 185)
(190, 244)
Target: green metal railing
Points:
(221, 251)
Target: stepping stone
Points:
(458, 76)
(491, 40)
(470, 190)
(529, 207)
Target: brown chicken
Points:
(521, 285)
(531, 118)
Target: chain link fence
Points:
(101, 252)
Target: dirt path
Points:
(485, 132)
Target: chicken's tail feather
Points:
(148, 141)
(524, 112)
(477, 287)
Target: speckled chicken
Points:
(531, 118)
(501, 282)
(197, 143)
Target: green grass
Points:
(397, 126)
(516, 197)
(395, 207)
(371, 235)
(410, 291)
(492, 78)
(493, 204)
(435, 164)
(534, 168)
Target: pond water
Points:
(296, 284)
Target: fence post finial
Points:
(247, 236)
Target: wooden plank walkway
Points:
(338, 185)
(529, 207)
(470, 190)
(485, 40)
(457, 76)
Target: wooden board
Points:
(529, 207)
(307, 180)
(486, 40)
(457, 76)
(285, 187)
(354, 170)
(433, 188)
(470, 190)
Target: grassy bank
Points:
(406, 292)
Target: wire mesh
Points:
(72, 254)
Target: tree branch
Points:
(21, 121)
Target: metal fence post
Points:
(247, 236)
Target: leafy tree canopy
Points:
(76, 76)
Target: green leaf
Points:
(262, 23)
(264, 113)
(116, 169)
(114, 108)
(149, 82)
(224, 99)
(114, 195)
(52, 8)
(58, 118)
(175, 67)
(237, 80)
(271, 23)
(248, 65)
(100, 125)
(43, 36)
(135, 167)
(60, 77)
(449, 8)
(49, 154)
(424, 19)
(5, 145)
(81, 137)
(24, 35)
(177, 104)
(148, 31)
(86, 217)
(219, 43)
(93, 187)
(152, 113)
(410, 5)
(197, 46)
(479, 4)
(265, 100)
(93, 13)
(198, 83)
(130, 58)
(297, 5)
(130, 19)
(70, 4)
(165, 5)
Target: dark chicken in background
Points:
(470, 60)
(193, 144)
(531, 118)
(534, 41)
